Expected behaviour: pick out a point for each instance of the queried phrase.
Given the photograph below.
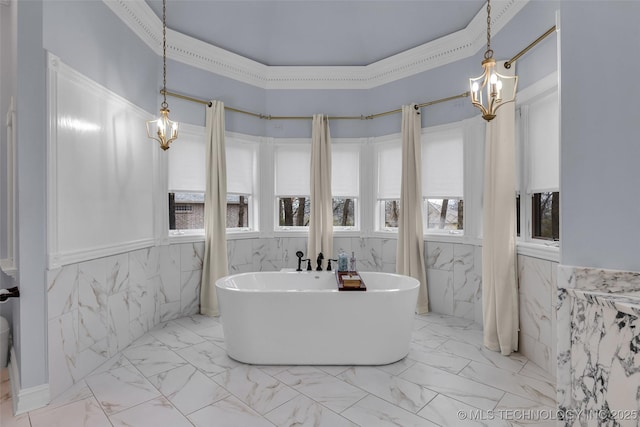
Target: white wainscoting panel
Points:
(101, 170)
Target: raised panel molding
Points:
(139, 17)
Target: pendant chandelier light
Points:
(498, 89)
(162, 129)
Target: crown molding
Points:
(139, 17)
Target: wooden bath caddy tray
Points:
(340, 276)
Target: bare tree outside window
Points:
(343, 212)
(391, 213)
(445, 214)
(293, 211)
(545, 222)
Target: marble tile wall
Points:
(454, 277)
(97, 308)
(537, 293)
(598, 324)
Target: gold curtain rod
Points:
(507, 64)
(361, 117)
(270, 117)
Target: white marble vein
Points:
(230, 412)
(152, 359)
(304, 412)
(82, 413)
(480, 353)
(175, 336)
(120, 389)
(373, 411)
(208, 357)
(474, 393)
(325, 389)
(529, 388)
(398, 391)
(259, 391)
(445, 411)
(188, 389)
(154, 413)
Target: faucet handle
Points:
(329, 263)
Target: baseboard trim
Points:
(25, 400)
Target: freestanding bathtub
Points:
(300, 318)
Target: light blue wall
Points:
(7, 89)
(600, 148)
(30, 315)
(88, 36)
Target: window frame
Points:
(458, 127)
(527, 244)
(252, 230)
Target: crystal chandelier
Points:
(162, 129)
(491, 90)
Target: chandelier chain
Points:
(489, 53)
(164, 53)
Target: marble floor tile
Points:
(152, 359)
(480, 353)
(5, 385)
(261, 392)
(521, 411)
(398, 367)
(188, 389)
(83, 413)
(373, 411)
(153, 413)
(78, 391)
(529, 388)
(304, 412)
(230, 412)
(182, 376)
(474, 393)
(175, 336)
(398, 391)
(334, 370)
(446, 412)
(121, 388)
(208, 357)
(325, 389)
(438, 359)
(7, 417)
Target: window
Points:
(545, 216)
(540, 130)
(442, 179)
(389, 173)
(345, 185)
(187, 181)
(292, 184)
(242, 165)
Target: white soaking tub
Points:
(300, 318)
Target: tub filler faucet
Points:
(319, 262)
(299, 254)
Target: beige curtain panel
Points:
(215, 263)
(499, 279)
(410, 251)
(321, 218)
